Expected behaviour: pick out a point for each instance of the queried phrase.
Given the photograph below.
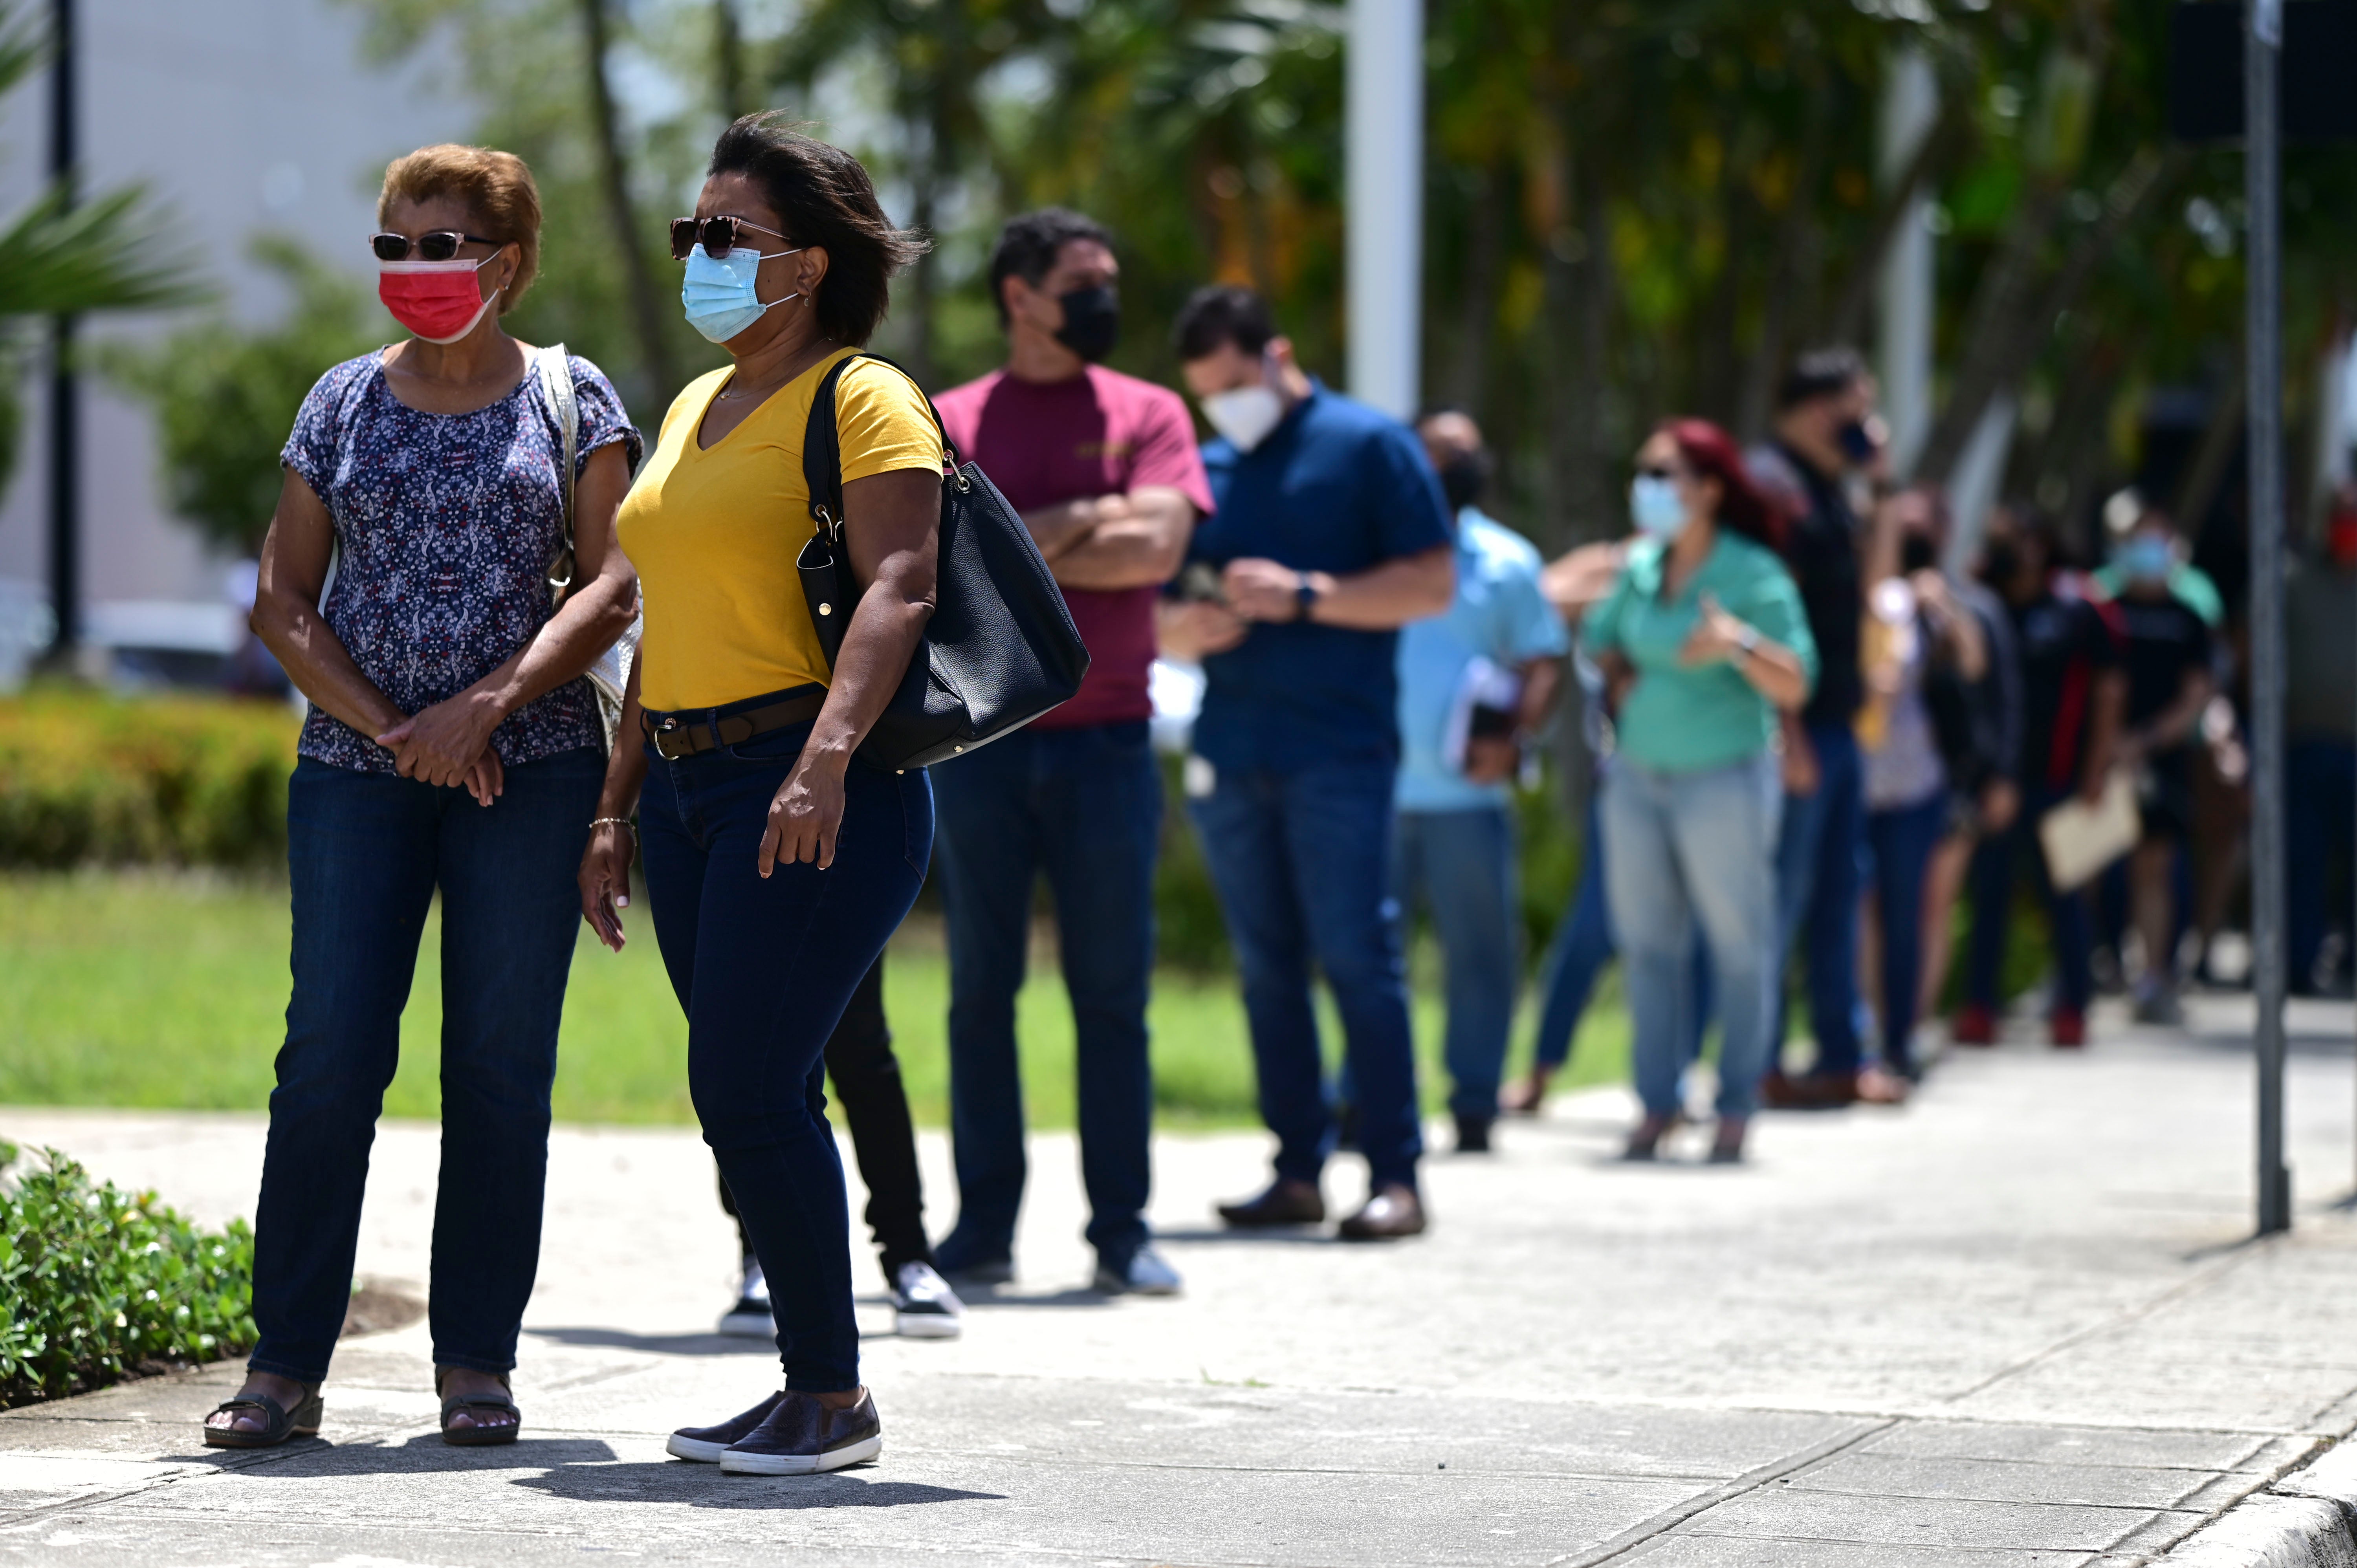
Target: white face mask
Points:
(1244, 414)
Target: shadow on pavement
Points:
(708, 1486)
(662, 1343)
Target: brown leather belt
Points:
(675, 735)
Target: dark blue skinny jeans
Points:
(1900, 842)
(764, 970)
(1084, 806)
(1817, 875)
(1301, 862)
(365, 853)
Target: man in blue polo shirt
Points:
(1331, 533)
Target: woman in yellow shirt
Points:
(777, 863)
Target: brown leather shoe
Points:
(1810, 1092)
(1285, 1202)
(1392, 1212)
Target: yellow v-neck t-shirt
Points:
(714, 532)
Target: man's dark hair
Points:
(1819, 372)
(1027, 248)
(1221, 314)
(823, 196)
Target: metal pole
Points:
(1383, 106)
(65, 397)
(1910, 107)
(2264, 325)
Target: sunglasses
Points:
(1659, 472)
(438, 246)
(718, 235)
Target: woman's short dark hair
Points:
(1027, 248)
(1221, 314)
(823, 196)
(1712, 454)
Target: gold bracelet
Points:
(617, 822)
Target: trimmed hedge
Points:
(181, 780)
(97, 1285)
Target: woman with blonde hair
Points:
(437, 584)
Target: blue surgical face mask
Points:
(2147, 558)
(1655, 506)
(719, 295)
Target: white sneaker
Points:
(923, 1305)
(751, 1318)
(1149, 1273)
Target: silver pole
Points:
(1382, 99)
(2262, 156)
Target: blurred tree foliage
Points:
(60, 256)
(1632, 208)
(224, 396)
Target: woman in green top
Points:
(1702, 640)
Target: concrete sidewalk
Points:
(2015, 1323)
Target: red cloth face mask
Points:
(438, 301)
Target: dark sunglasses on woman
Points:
(438, 246)
(718, 236)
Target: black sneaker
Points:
(1473, 1133)
(751, 1318)
(923, 1305)
(704, 1445)
(800, 1437)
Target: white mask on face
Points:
(1246, 415)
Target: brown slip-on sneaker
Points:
(1285, 1202)
(1392, 1212)
(704, 1445)
(801, 1437)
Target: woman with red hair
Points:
(1702, 640)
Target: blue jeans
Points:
(2321, 794)
(1900, 842)
(764, 970)
(1085, 807)
(1991, 885)
(365, 853)
(1692, 849)
(1817, 876)
(1462, 863)
(1300, 862)
(1583, 944)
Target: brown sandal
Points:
(278, 1424)
(477, 1436)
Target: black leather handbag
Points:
(1000, 648)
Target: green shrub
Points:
(170, 780)
(96, 1283)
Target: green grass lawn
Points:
(168, 991)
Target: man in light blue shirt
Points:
(1473, 684)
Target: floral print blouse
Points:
(447, 523)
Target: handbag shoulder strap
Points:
(823, 444)
(555, 370)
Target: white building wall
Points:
(241, 116)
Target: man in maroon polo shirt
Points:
(1105, 471)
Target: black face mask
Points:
(2000, 564)
(1091, 321)
(1463, 479)
(1856, 443)
(1916, 554)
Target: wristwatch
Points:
(1305, 597)
(1747, 641)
